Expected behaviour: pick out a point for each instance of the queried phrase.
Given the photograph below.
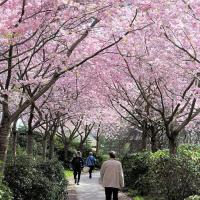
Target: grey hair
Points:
(112, 154)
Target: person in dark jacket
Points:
(90, 162)
(77, 165)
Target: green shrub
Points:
(159, 175)
(5, 192)
(101, 159)
(135, 168)
(54, 172)
(190, 151)
(193, 198)
(173, 178)
(35, 180)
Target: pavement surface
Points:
(89, 189)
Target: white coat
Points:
(112, 174)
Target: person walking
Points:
(90, 162)
(111, 176)
(77, 165)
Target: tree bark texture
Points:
(173, 145)
(44, 148)
(14, 140)
(30, 132)
(4, 141)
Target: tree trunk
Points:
(97, 145)
(4, 141)
(51, 140)
(51, 146)
(153, 144)
(81, 146)
(14, 140)
(153, 140)
(30, 132)
(30, 143)
(44, 148)
(144, 140)
(66, 148)
(173, 145)
(98, 138)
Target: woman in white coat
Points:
(112, 177)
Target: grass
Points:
(138, 198)
(146, 198)
(68, 174)
(134, 195)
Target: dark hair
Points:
(112, 154)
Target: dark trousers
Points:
(111, 192)
(90, 171)
(77, 172)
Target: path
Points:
(90, 189)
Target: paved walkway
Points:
(90, 189)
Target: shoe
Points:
(75, 181)
(78, 183)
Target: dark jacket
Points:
(77, 163)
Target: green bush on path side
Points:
(5, 192)
(196, 197)
(35, 179)
(151, 174)
(68, 174)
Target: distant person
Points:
(112, 177)
(77, 165)
(90, 162)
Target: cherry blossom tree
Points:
(41, 41)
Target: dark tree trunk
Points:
(4, 141)
(44, 148)
(81, 146)
(173, 144)
(51, 147)
(154, 147)
(66, 149)
(52, 137)
(30, 143)
(30, 132)
(98, 138)
(97, 145)
(133, 147)
(14, 140)
(144, 136)
(144, 140)
(154, 144)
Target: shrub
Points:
(159, 175)
(193, 198)
(173, 178)
(191, 152)
(135, 167)
(35, 180)
(5, 193)
(54, 171)
(101, 159)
